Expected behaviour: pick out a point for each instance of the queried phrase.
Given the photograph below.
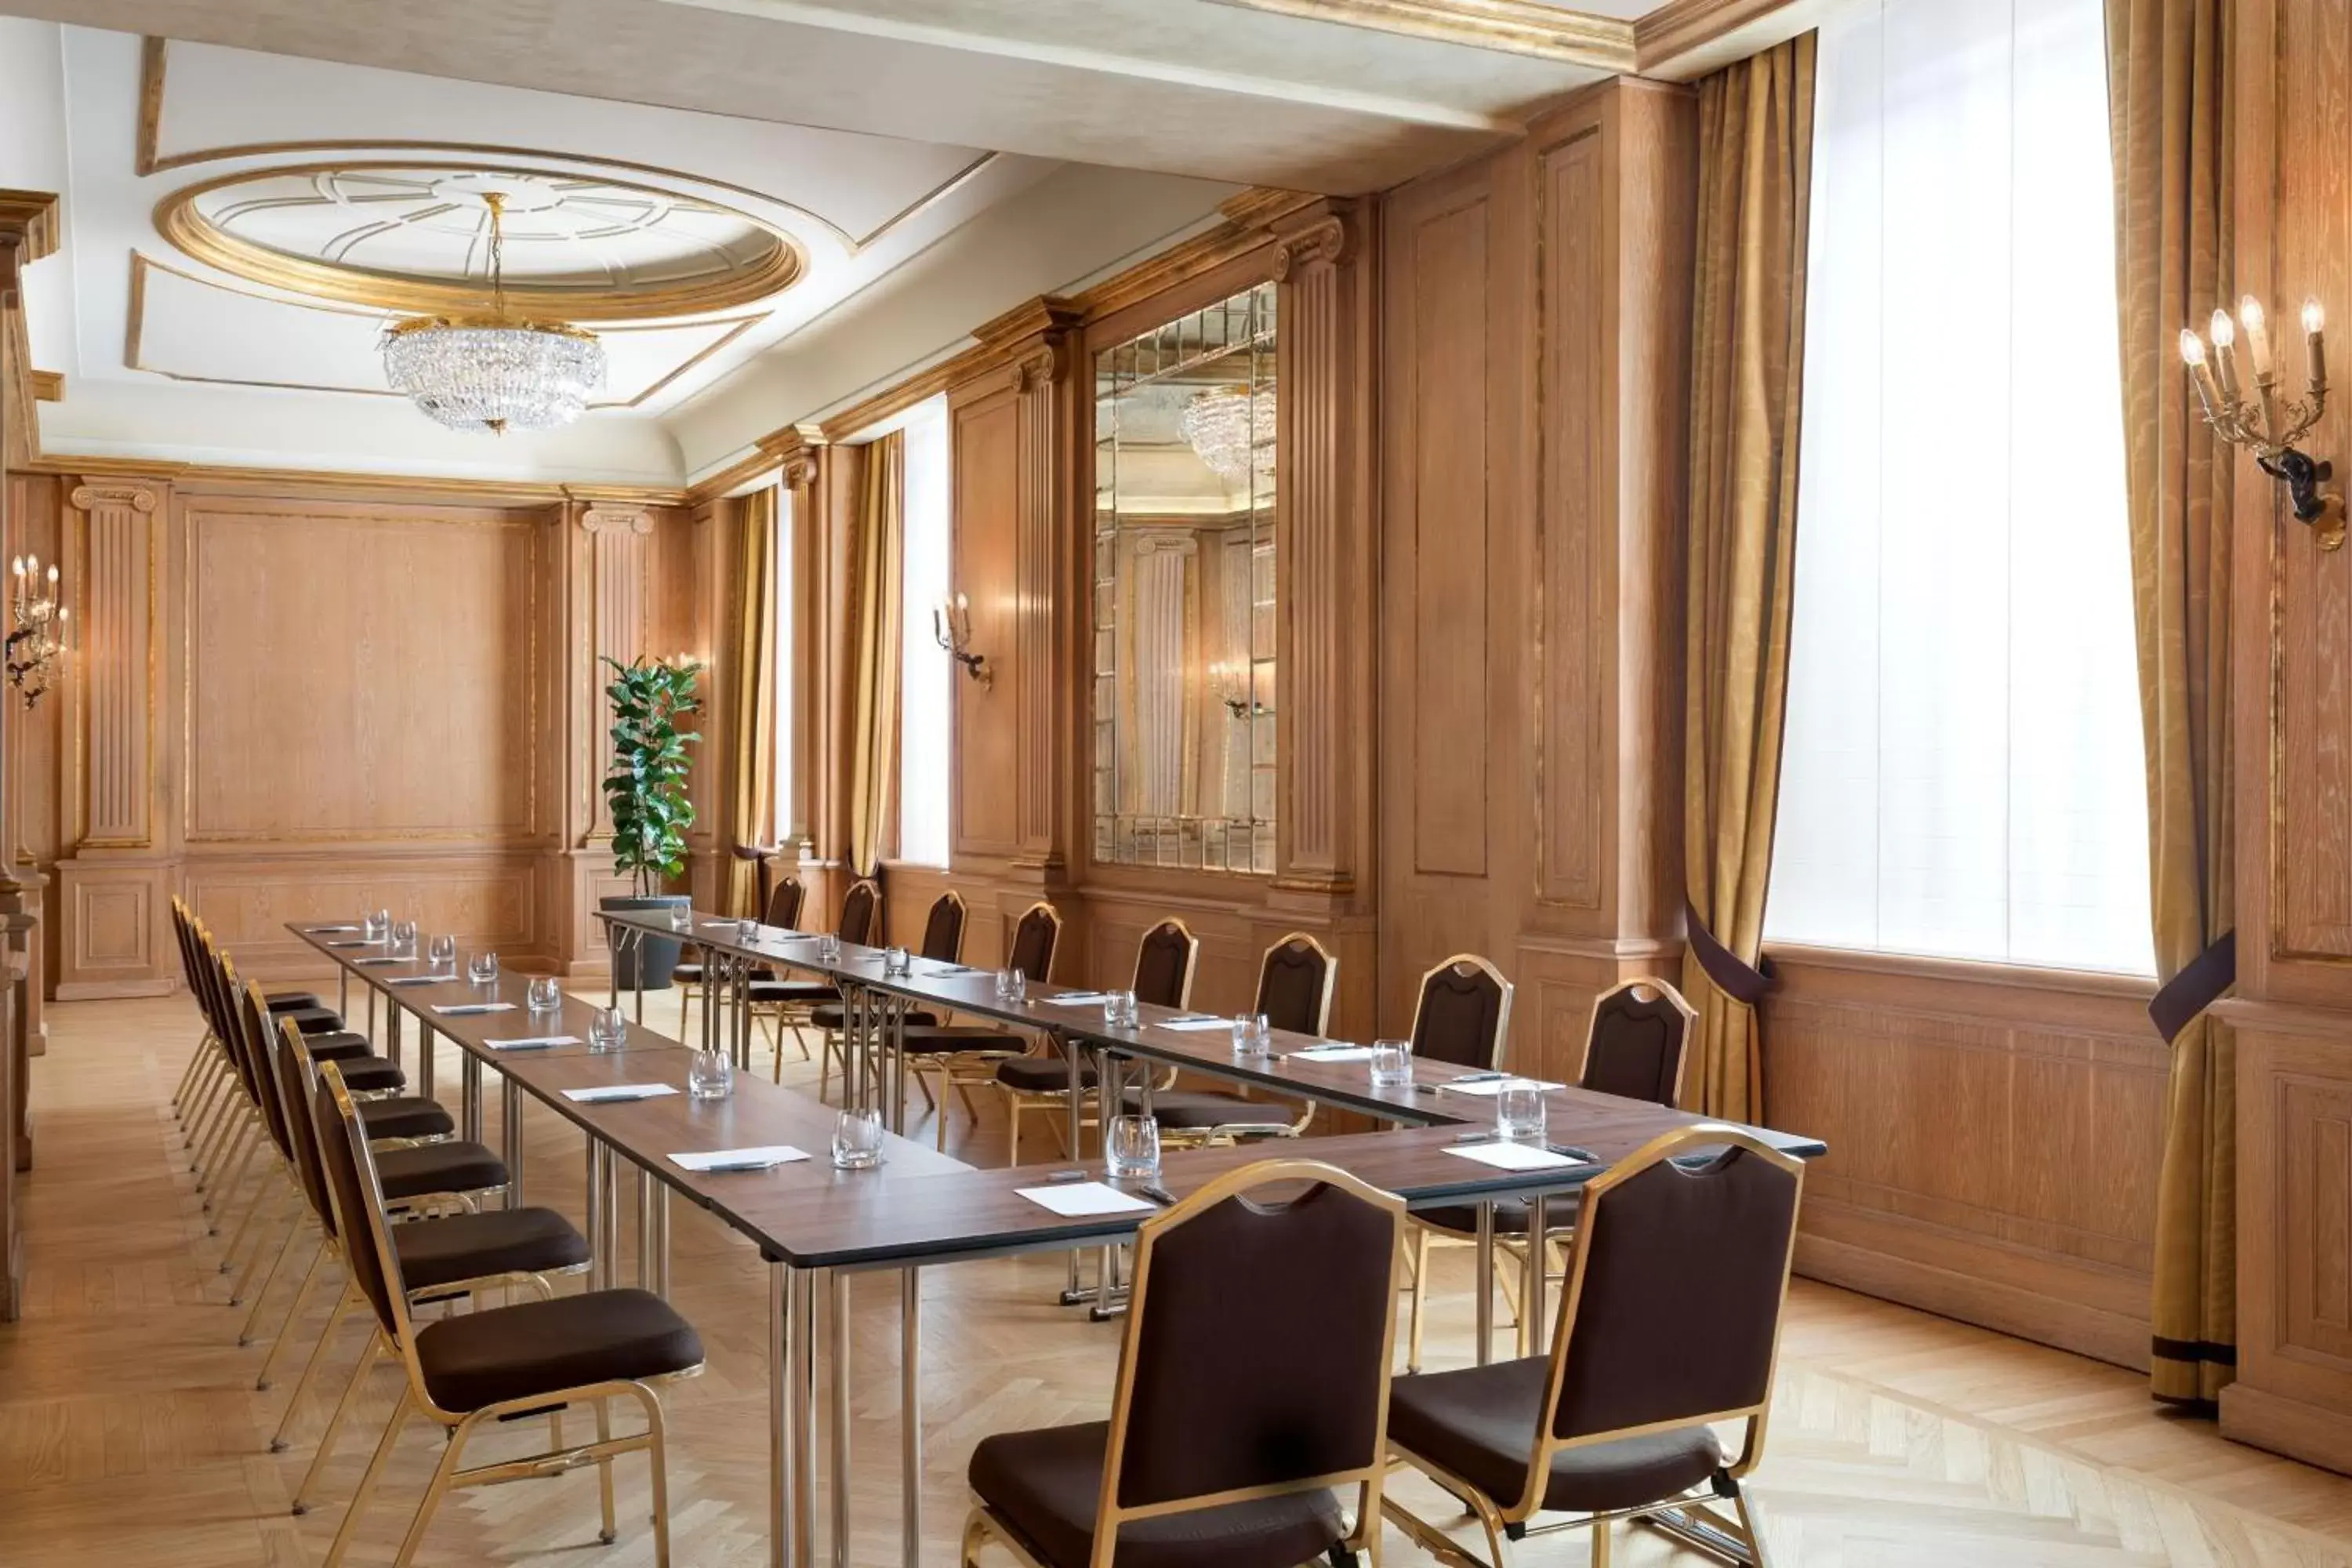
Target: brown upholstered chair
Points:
(780, 907)
(486, 1367)
(1294, 982)
(787, 1003)
(1253, 1383)
(194, 1101)
(956, 1057)
(942, 943)
(442, 1258)
(1165, 960)
(1668, 1326)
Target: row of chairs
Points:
(392, 1200)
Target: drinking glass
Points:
(1131, 1148)
(1252, 1036)
(1391, 1064)
(379, 925)
(898, 961)
(857, 1140)
(681, 917)
(1012, 985)
(608, 1029)
(404, 938)
(710, 1075)
(482, 968)
(747, 931)
(1120, 1010)
(442, 953)
(1520, 1113)
(828, 949)
(544, 995)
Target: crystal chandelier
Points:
(490, 372)
(1232, 429)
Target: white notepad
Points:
(1488, 1088)
(378, 959)
(1194, 1025)
(329, 931)
(359, 941)
(468, 1009)
(1514, 1156)
(532, 1042)
(1076, 999)
(1076, 1200)
(421, 980)
(618, 1091)
(766, 1157)
(1333, 1054)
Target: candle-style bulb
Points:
(2314, 320)
(53, 576)
(2225, 330)
(2249, 311)
(2193, 348)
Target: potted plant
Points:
(644, 789)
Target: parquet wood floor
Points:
(130, 1432)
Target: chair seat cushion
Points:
(1042, 1075)
(937, 1039)
(545, 1347)
(455, 1166)
(1195, 1110)
(830, 1016)
(1480, 1423)
(371, 1075)
(285, 1000)
(310, 1020)
(809, 993)
(405, 1116)
(338, 1046)
(475, 1245)
(690, 970)
(1046, 1483)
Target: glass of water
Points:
(608, 1029)
(1391, 1064)
(1519, 1112)
(1120, 1010)
(404, 938)
(898, 961)
(857, 1138)
(379, 925)
(1253, 1035)
(681, 917)
(442, 953)
(1012, 985)
(747, 931)
(710, 1075)
(1131, 1148)
(482, 968)
(544, 995)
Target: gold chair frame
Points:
(461, 1426)
(1055, 1105)
(1503, 1522)
(984, 1524)
(963, 1070)
(1239, 1131)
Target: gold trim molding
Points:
(193, 235)
(1510, 26)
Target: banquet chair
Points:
(942, 943)
(785, 1002)
(780, 907)
(1039, 1080)
(1238, 1413)
(957, 1056)
(1677, 1276)
(1295, 981)
(477, 1370)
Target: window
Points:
(1963, 772)
(926, 674)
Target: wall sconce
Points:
(2271, 428)
(1230, 684)
(37, 643)
(951, 626)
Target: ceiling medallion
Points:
(492, 371)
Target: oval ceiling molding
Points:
(414, 236)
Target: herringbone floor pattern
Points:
(130, 1432)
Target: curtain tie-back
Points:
(2200, 984)
(1744, 983)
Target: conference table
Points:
(815, 1228)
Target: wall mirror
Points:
(1183, 599)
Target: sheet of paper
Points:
(357, 941)
(1076, 1200)
(379, 958)
(1514, 1156)
(759, 1159)
(618, 1091)
(532, 1042)
(1194, 1025)
(1333, 1054)
(469, 1009)
(1488, 1088)
(329, 931)
(1075, 999)
(421, 980)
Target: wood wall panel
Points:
(362, 674)
(114, 581)
(245, 899)
(985, 444)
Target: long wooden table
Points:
(816, 1227)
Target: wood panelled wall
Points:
(292, 700)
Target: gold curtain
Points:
(2167, 74)
(1755, 142)
(875, 627)
(752, 679)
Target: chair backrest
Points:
(1295, 981)
(943, 929)
(252, 1020)
(1036, 936)
(1258, 1343)
(1676, 1277)
(358, 1204)
(1635, 1045)
(784, 905)
(861, 909)
(298, 1089)
(1463, 1015)
(1164, 961)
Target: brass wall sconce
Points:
(2272, 425)
(37, 642)
(1230, 684)
(952, 627)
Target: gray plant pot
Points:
(658, 955)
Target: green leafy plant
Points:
(645, 786)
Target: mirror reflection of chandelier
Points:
(1232, 429)
(488, 372)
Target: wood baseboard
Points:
(112, 990)
(2316, 1435)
